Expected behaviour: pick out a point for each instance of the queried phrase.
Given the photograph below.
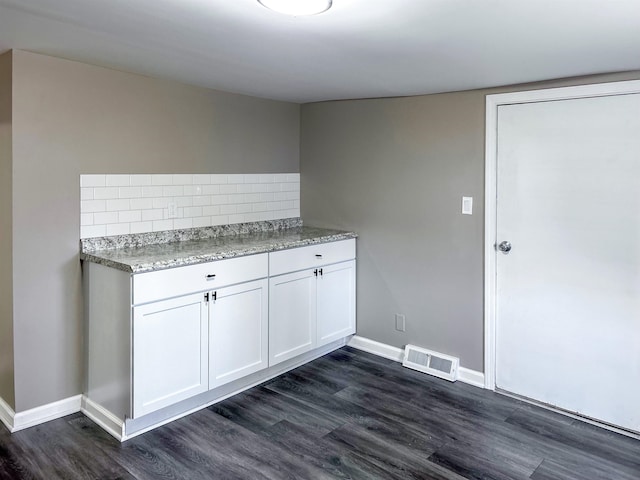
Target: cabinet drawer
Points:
(296, 259)
(151, 286)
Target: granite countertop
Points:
(140, 258)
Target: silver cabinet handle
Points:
(504, 247)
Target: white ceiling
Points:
(357, 49)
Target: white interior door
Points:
(568, 292)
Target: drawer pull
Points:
(211, 276)
(318, 255)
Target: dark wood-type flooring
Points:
(346, 415)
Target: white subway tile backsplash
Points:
(161, 202)
(182, 223)
(130, 216)
(141, 227)
(130, 192)
(266, 178)
(184, 201)
(226, 189)
(211, 189)
(193, 212)
(86, 194)
(219, 179)
(93, 231)
(201, 222)
(104, 218)
(155, 191)
(219, 220)
(159, 225)
(141, 203)
(259, 187)
(211, 210)
(104, 193)
(227, 209)
(182, 179)
(139, 180)
(118, 229)
(161, 179)
(86, 219)
(89, 206)
(252, 178)
(201, 200)
(259, 207)
(251, 198)
(92, 180)
(235, 179)
(117, 181)
(266, 197)
(219, 199)
(173, 191)
(118, 204)
(201, 179)
(148, 215)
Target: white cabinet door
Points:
(292, 315)
(238, 332)
(169, 352)
(336, 302)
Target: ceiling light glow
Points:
(297, 7)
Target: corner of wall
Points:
(7, 383)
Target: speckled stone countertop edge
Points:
(94, 244)
(151, 266)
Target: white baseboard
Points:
(465, 375)
(472, 377)
(113, 425)
(381, 349)
(6, 415)
(46, 413)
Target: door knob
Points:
(504, 247)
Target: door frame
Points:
(490, 199)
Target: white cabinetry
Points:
(238, 331)
(172, 340)
(315, 305)
(170, 354)
(336, 304)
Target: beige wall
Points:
(71, 118)
(6, 271)
(395, 170)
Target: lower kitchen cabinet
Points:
(292, 318)
(238, 331)
(170, 352)
(164, 342)
(336, 302)
(315, 305)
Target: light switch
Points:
(467, 205)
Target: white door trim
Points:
(490, 224)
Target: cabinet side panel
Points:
(109, 338)
(7, 392)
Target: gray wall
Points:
(6, 272)
(71, 118)
(395, 170)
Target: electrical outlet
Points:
(400, 322)
(172, 210)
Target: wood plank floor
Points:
(346, 415)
